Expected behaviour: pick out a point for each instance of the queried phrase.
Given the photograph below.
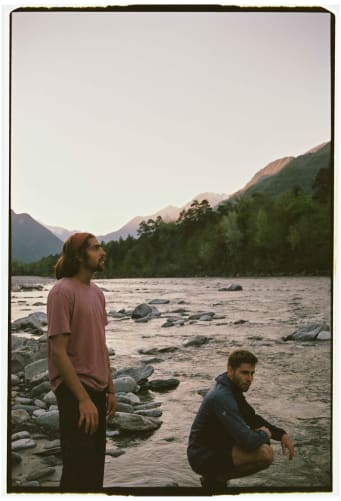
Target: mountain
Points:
(61, 233)
(168, 214)
(31, 240)
(288, 173)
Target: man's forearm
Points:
(111, 388)
(69, 375)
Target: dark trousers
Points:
(83, 454)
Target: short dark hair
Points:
(239, 357)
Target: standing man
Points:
(78, 361)
(228, 439)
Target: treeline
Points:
(250, 235)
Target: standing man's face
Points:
(95, 256)
(242, 376)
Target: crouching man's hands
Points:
(287, 444)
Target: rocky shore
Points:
(34, 429)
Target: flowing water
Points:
(292, 385)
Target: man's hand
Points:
(111, 404)
(287, 444)
(88, 415)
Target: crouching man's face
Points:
(242, 376)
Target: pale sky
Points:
(120, 114)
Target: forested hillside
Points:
(251, 235)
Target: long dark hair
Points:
(74, 248)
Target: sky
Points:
(119, 114)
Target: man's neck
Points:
(83, 276)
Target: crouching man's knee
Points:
(266, 455)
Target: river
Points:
(292, 385)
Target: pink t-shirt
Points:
(79, 310)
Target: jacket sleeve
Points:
(227, 412)
(257, 421)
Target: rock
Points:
(203, 391)
(147, 405)
(324, 336)
(163, 384)
(23, 400)
(310, 332)
(19, 435)
(19, 417)
(133, 422)
(52, 444)
(153, 360)
(49, 421)
(114, 452)
(37, 368)
(116, 314)
(29, 288)
(33, 322)
(17, 342)
(200, 315)
(50, 398)
(15, 458)
(19, 359)
(237, 322)
(125, 384)
(26, 407)
(155, 351)
(173, 322)
(14, 380)
(38, 412)
(141, 311)
(23, 443)
(134, 399)
(122, 407)
(111, 352)
(138, 373)
(159, 301)
(40, 403)
(112, 433)
(39, 473)
(206, 318)
(196, 341)
(231, 287)
(149, 412)
(30, 483)
(40, 389)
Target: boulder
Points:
(23, 443)
(19, 417)
(133, 422)
(196, 341)
(310, 332)
(37, 368)
(138, 373)
(155, 351)
(125, 384)
(49, 421)
(163, 384)
(123, 407)
(50, 398)
(19, 435)
(231, 288)
(34, 321)
(149, 412)
(40, 389)
(141, 311)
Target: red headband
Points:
(78, 239)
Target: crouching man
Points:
(228, 439)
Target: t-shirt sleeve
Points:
(59, 310)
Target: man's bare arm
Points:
(111, 400)
(88, 413)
